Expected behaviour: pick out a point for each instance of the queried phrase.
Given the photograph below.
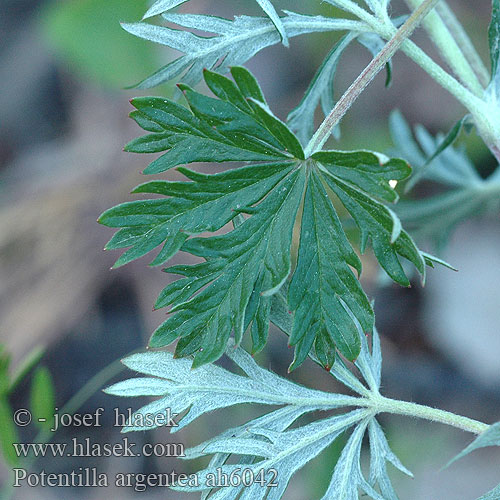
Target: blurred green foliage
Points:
(87, 35)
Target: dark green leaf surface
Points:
(494, 37)
(256, 253)
(230, 291)
(375, 220)
(323, 281)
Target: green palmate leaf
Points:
(206, 203)
(375, 220)
(252, 259)
(234, 43)
(323, 280)
(230, 292)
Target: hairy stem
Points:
(357, 87)
(473, 103)
(355, 9)
(449, 49)
(463, 40)
(386, 405)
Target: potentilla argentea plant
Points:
(286, 180)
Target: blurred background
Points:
(64, 66)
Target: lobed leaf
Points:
(374, 220)
(210, 387)
(230, 291)
(161, 6)
(468, 194)
(234, 43)
(267, 443)
(323, 287)
(255, 255)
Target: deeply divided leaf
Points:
(268, 448)
(229, 292)
(233, 43)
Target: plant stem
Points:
(355, 9)
(386, 405)
(473, 103)
(463, 40)
(449, 49)
(495, 150)
(357, 87)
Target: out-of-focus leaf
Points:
(468, 195)
(4, 371)
(86, 34)
(42, 398)
(445, 143)
(490, 437)
(26, 365)
(494, 38)
(8, 433)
